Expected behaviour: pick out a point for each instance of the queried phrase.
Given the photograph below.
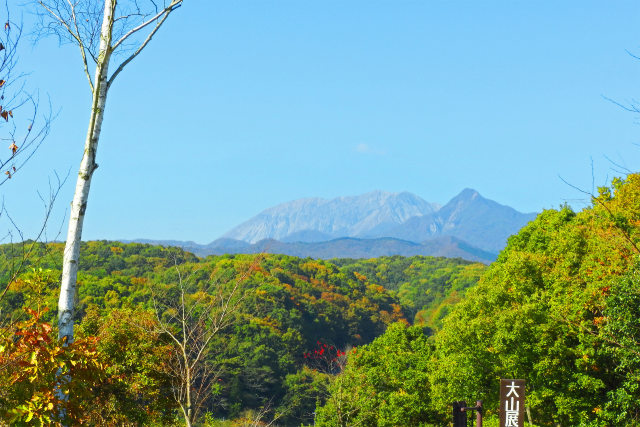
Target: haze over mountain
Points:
(315, 220)
(372, 225)
(350, 247)
(470, 217)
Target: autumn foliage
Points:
(559, 308)
(32, 360)
(326, 358)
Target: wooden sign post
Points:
(459, 415)
(512, 403)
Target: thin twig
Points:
(626, 235)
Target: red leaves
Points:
(7, 27)
(325, 358)
(13, 147)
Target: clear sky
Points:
(237, 106)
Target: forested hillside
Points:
(289, 325)
(560, 308)
(389, 341)
(427, 287)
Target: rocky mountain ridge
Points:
(469, 217)
(369, 215)
(372, 225)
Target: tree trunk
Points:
(188, 402)
(187, 421)
(187, 367)
(66, 302)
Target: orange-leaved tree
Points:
(31, 358)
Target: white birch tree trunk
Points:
(186, 407)
(66, 302)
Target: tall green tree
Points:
(620, 334)
(540, 313)
(136, 358)
(384, 383)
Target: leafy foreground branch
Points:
(30, 358)
(117, 372)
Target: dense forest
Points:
(290, 324)
(165, 337)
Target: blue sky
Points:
(238, 106)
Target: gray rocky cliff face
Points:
(468, 217)
(374, 224)
(317, 219)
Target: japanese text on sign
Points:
(512, 403)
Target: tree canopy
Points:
(332, 341)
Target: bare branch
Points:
(192, 321)
(29, 143)
(25, 133)
(28, 248)
(632, 107)
(80, 45)
(75, 35)
(623, 169)
(165, 14)
(166, 11)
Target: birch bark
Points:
(88, 165)
(67, 20)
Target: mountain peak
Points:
(467, 194)
(350, 216)
(470, 217)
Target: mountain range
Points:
(370, 215)
(373, 224)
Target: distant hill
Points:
(346, 247)
(349, 247)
